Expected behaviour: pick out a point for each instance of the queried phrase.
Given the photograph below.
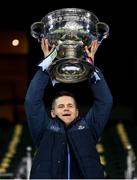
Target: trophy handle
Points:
(37, 30)
(102, 30)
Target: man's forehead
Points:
(64, 100)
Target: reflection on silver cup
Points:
(70, 29)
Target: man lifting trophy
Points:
(65, 141)
(70, 30)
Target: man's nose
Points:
(66, 108)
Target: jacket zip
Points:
(68, 154)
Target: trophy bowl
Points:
(70, 30)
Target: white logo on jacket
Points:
(81, 127)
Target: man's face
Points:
(65, 108)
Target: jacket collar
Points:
(63, 124)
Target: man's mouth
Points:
(66, 114)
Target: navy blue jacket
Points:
(66, 152)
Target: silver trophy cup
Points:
(70, 29)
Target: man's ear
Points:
(77, 113)
(52, 112)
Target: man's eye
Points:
(70, 105)
(60, 106)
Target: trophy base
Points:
(71, 70)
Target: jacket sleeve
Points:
(99, 113)
(36, 113)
